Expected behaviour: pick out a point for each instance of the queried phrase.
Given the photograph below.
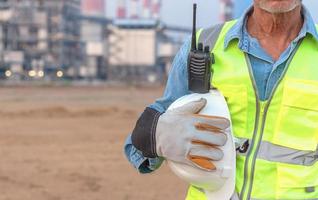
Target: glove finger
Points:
(202, 163)
(210, 138)
(207, 127)
(191, 107)
(219, 122)
(211, 153)
(205, 144)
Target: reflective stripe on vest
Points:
(276, 153)
(281, 161)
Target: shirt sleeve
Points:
(176, 87)
(177, 84)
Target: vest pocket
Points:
(297, 128)
(297, 181)
(236, 98)
(297, 124)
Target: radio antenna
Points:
(194, 38)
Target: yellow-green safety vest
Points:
(281, 161)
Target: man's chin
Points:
(279, 7)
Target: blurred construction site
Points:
(71, 40)
(73, 81)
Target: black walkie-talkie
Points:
(199, 63)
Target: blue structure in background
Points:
(240, 6)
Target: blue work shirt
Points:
(266, 73)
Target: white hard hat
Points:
(218, 184)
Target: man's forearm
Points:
(175, 88)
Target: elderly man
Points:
(266, 65)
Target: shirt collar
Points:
(236, 31)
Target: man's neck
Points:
(274, 31)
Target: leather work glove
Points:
(184, 136)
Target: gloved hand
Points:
(184, 136)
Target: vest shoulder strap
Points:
(209, 36)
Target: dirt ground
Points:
(66, 143)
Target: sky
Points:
(179, 12)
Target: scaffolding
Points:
(40, 36)
(50, 39)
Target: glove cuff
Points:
(144, 134)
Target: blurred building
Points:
(138, 48)
(138, 9)
(226, 10)
(72, 39)
(93, 7)
(231, 9)
(39, 37)
(94, 40)
(139, 51)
